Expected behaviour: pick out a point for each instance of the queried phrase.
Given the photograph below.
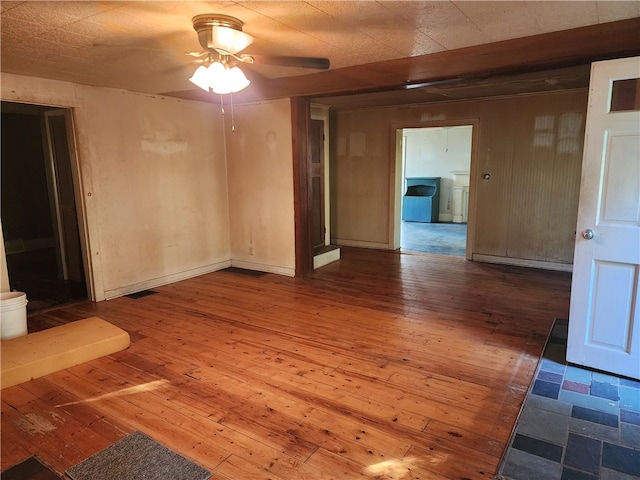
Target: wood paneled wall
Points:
(531, 146)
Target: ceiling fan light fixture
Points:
(237, 79)
(201, 78)
(220, 79)
(228, 40)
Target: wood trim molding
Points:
(300, 116)
(564, 48)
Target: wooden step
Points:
(38, 354)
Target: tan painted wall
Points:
(159, 186)
(155, 206)
(260, 180)
(531, 146)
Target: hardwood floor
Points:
(381, 365)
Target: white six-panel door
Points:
(604, 318)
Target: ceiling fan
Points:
(223, 40)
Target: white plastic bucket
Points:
(13, 314)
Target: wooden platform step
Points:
(38, 354)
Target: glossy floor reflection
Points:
(441, 238)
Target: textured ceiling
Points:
(141, 45)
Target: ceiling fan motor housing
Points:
(221, 32)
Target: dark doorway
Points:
(316, 185)
(39, 219)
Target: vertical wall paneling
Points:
(526, 181)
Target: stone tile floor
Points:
(576, 423)
(440, 238)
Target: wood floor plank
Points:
(380, 365)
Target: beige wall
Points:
(437, 152)
(153, 192)
(531, 145)
(159, 187)
(260, 179)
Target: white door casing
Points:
(604, 317)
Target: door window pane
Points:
(625, 95)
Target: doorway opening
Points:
(319, 188)
(39, 215)
(434, 184)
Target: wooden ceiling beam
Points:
(564, 48)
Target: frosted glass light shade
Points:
(201, 78)
(236, 79)
(220, 79)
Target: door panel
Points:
(316, 173)
(64, 197)
(604, 318)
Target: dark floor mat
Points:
(31, 469)
(137, 456)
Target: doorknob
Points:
(588, 234)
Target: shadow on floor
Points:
(36, 274)
(441, 238)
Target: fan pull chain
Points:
(233, 123)
(222, 112)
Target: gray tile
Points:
(605, 377)
(546, 389)
(594, 430)
(627, 382)
(629, 398)
(630, 435)
(549, 404)
(544, 425)
(550, 377)
(521, 465)
(587, 401)
(540, 448)
(571, 474)
(606, 474)
(583, 453)
(627, 416)
(622, 459)
(576, 374)
(605, 390)
(595, 416)
(552, 366)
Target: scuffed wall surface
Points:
(159, 186)
(260, 180)
(152, 195)
(531, 146)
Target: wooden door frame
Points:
(321, 112)
(300, 120)
(395, 180)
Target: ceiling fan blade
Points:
(197, 54)
(285, 61)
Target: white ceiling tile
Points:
(120, 44)
(612, 10)
(563, 14)
(501, 20)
